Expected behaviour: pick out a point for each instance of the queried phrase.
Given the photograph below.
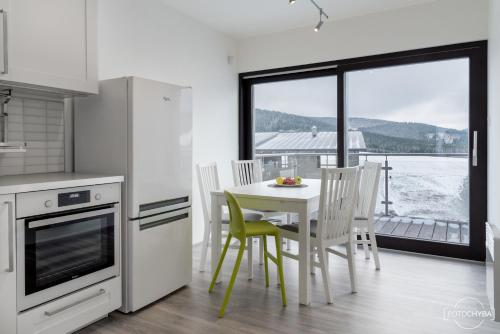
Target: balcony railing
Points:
(386, 168)
(308, 165)
(423, 178)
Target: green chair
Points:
(241, 230)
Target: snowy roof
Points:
(261, 137)
(304, 141)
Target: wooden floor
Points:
(423, 229)
(408, 295)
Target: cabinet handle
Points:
(11, 236)
(64, 308)
(5, 42)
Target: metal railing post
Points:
(386, 201)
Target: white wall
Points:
(494, 114)
(432, 24)
(148, 39)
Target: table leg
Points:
(216, 233)
(304, 257)
(250, 257)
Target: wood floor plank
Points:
(390, 225)
(440, 231)
(402, 227)
(414, 229)
(453, 233)
(406, 219)
(379, 224)
(464, 233)
(427, 229)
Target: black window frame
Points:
(477, 54)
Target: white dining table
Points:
(261, 197)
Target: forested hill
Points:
(380, 135)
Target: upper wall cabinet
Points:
(49, 45)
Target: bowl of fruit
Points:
(289, 182)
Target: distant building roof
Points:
(272, 142)
(261, 137)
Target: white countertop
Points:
(14, 184)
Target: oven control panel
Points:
(49, 201)
(73, 198)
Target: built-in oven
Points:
(66, 240)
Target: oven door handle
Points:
(10, 212)
(66, 218)
(78, 302)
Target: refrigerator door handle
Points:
(163, 219)
(171, 204)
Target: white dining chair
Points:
(208, 180)
(246, 172)
(290, 172)
(363, 222)
(339, 192)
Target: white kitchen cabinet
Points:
(49, 45)
(7, 265)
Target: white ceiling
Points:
(245, 18)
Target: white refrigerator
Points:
(142, 129)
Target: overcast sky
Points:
(433, 93)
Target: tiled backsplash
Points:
(40, 124)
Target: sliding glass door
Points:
(414, 120)
(421, 114)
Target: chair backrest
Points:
(339, 192)
(246, 172)
(208, 180)
(368, 189)
(236, 219)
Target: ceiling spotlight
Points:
(318, 26)
(322, 13)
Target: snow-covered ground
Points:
(427, 187)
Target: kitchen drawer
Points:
(72, 312)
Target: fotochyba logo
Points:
(468, 313)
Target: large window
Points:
(295, 126)
(421, 114)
